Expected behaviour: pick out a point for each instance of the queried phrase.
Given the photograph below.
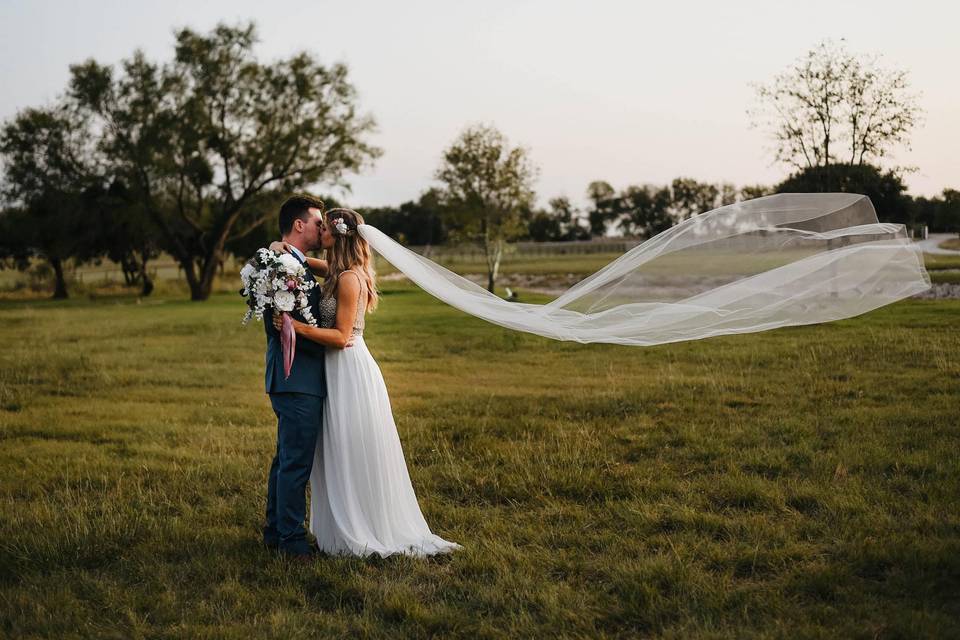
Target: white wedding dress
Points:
(362, 501)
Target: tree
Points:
(939, 213)
(752, 191)
(690, 198)
(561, 222)
(885, 188)
(834, 107)
(604, 211)
(49, 172)
(543, 227)
(126, 236)
(487, 188)
(948, 216)
(14, 253)
(644, 210)
(416, 222)
(728, 194)
(210, 141)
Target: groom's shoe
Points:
(270, 540)
(301, 556)
(305, 558)
(301, 550)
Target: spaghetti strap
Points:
(359, 279)
(353, 272)
(361, 301)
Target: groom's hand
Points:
(277, 321)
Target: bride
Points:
(362, 501)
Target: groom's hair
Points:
(296, 207)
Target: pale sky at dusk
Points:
(627, 92)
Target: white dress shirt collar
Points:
(297, 253)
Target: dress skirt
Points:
(362, 501)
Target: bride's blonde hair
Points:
(349, 251)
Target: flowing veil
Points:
(775, 261)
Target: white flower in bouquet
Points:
(290, 264)
(284, 300)
(246, 273)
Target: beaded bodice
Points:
(328, 310)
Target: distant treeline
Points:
(645, 210)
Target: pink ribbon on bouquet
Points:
(288, 341)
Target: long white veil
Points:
(780, 260)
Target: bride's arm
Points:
(316, 265)
(341, 335)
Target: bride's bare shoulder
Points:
(352, 284)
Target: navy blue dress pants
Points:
(299, 418)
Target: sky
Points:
(627, 92)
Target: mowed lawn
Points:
(795, 483)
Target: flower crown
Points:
(340, 225)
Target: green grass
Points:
(938, 262)
(944, 276)
(802, 482)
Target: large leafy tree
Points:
(487, 189)
(834, 107)
(50, 172)
(211, 141)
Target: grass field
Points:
(796, 483)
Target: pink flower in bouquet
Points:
(291, 284)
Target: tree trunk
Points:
(129, 272)
(200, 289)
(210, 262)
(147, 284)
(60, 283)
(493, 266)
(189, 272)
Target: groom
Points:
(297, 400)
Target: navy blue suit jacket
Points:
(308, 374)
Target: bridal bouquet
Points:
(278, 281)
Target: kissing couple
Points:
(335, 425)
